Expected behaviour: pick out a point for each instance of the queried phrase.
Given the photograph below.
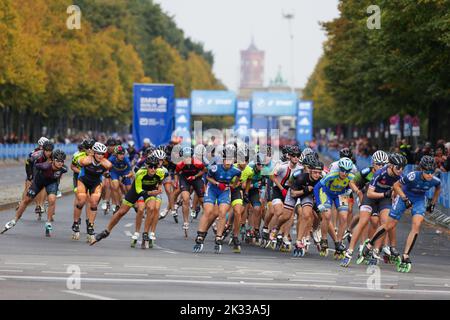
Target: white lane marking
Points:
(59, 272)
(432, 285)
(26, 263)
(128, 225)
(224, 283)
(91, 266)
(1, 279)
(186, 276)
(11, 270)
(95, 263)
(316, 273)
(244, 278)
(165, 249)
(200, 269)
(149, 267)
(312, 280)
(125, 274)
(128, 234)
(384, 284)
(88, 295)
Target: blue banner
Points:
(183, 119)
(243, 117)
(304, 122)
(153, 112)
(274, 104)
(215, 103)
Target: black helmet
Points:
(346, 153)
(309, 160)
(111, 142)
(295, 151)
(84, 144)
(48, 146)
(59, 155)
(151, 161)
(398, 160)
(427, 163)
(90, 143)
(285, 149)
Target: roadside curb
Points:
(10, 205)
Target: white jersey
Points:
(335, 167)
(283, 172)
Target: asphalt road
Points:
(35, 267)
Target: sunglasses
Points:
(346, 171)
(152, 167)
(399, 168)
(60, 161)
(380, 164)
(428, 171)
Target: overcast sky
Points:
(226, 26)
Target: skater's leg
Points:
(155, 216)
(51, 207)
(139, 215)
(185, 196)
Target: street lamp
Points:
(290, 17)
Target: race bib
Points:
(343, 200)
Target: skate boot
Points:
(116, 208)
(163, 214)
(323, 247)
(8, 226)
(365, 253)
(197, 211)
(38, 210)
(273, 239)
(87, 225)
(218, 245)
(134, 239)
(386, 254)
(339, 250)
(249, 236)
(395, 256)
(257, 237)
(48, 229)
(145, 241)
(405, 265)
(152, 241)
(236, 245)
(76, 231)
(226, 231)
(264, 237)
(316, 236)
(175, 216)
(214, 227)
(192, 215)
(348, 236)
(286, 245)
(185, 229)
(99, 236)
(278, 242)
(347, 258)
(307, 243)
(299, 249)
(242, 232)
(106, 207)
(374, 258)
(198, 247)
(90, 233)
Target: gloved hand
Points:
(307, 190)
(408, 203)
(430, 208)
(190, 178)
(245, 197)
(284, 193)
(388, 194)
(222, 186)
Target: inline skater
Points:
(148, 184)
(280, 178)
(333, 189)
(40, 156)
(189, 173)
(111, 143)
(378, 197)
(121, 175)
(217, 191)
(302, 193)
(174, 190)
(133, 154)
(89, 187)
(46, 176)
(411, 192)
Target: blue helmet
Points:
(345, 164)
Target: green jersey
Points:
(145, 182)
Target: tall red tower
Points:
(252, 67)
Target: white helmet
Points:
(147, 141)
(99, 148)
(131, 143)
(380, 157)
(345, 164)
(161, 155)
(42, 140)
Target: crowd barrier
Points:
(22, 150)
(364, 162)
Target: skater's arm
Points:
(356, 190)
(435, 198)
(106, 164)
(155, 192)
(85, 161)
(398, 190)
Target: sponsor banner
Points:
(304, 122)
(243, 117)
(274, 104)
(183, 119)
(153, 112)
(213, 102)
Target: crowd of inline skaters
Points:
(248, 194)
